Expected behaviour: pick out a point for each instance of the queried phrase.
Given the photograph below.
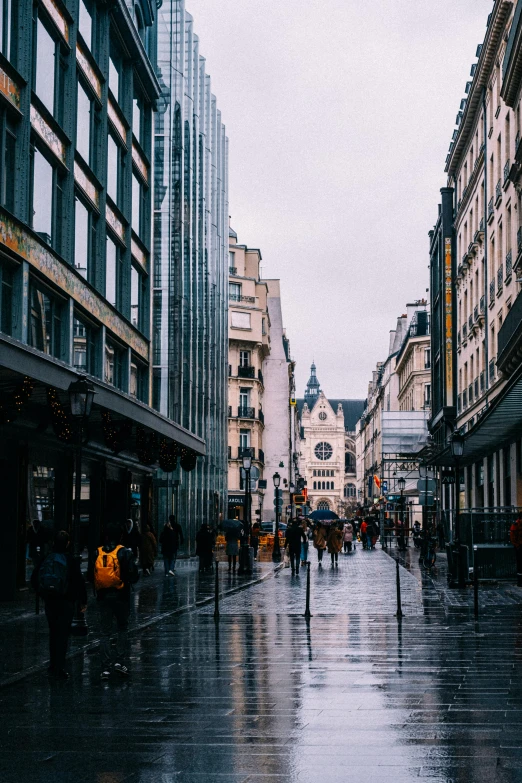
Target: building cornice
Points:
(483, 69)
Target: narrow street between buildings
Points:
(262, 695)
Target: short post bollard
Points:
(475, 582)
(399, 614)
(307, 613)
(216, 595)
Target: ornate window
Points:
(323, 416)
(323, 505)
(323, 451)
(349, 491)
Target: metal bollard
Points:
(399, 615)
(307, 613)
(216, 595)
(475, 582)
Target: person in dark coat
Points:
(148, 551)
(171, 538)
(38, 541)
(59, 609)
(131, 538)
(204, 547)
(295, 536)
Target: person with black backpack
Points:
(58, 580)
(115, 570)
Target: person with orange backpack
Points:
(115, 570)
(515, 536)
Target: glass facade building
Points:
(78, 88)
(190, 267)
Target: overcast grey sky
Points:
(339, 115)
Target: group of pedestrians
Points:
(58, 580)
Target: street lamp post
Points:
(244, 555)
(292, 490)
(276, 552)
(81, 396)
(401, 482)
(458, 576)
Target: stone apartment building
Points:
(249, 345)
(476, 258)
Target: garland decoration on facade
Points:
(168, 455)
(146, 446)
(188, 459)
(115, 433)
(61, 420)
(14, 405)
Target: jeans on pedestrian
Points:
(347, 546)
(304, 551)
(59, 615)
(294, 561)
(112, 607)
(335, 557)
(168, 563)
(320, 553)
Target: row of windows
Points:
(324, 472)
(48, 332)
(324, 485)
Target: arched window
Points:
(315, 484)
(349, 491)
(323, 505)
(332, 485)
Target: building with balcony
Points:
(413, 364)
(249, 343)
(476, 264)
(189, 309)
(327, 448)
(77, 93)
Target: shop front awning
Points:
(497, 427)
(18, 361)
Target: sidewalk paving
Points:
(25, 633)
(263, 696)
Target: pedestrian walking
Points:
(364, 537)
(295, 536)
(58, 580)
(371, 534)
(167, 541)
(232, 548)
(254, 538)
(515, 536)
(38, 542)
(399, 533)
(304, 544)
(131, 538)
(148, 551)
(115, 570)
(334, 543)
(347, 537)
(320, 542)
(204, 547)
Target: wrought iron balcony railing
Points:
(509, 264)
(245, 412)
(246, 371)
(490, 208)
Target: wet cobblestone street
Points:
(265, 696)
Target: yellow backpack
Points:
(107, 572)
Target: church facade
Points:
(327, 448)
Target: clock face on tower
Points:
(323, 416)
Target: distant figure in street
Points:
(232, 548)
(320, 542)
(334, 543)
(167, 542)
(148, 551)
(204, 547)
(295, 536)
(364, 537)
(178, 536)
(371, 534)
(115, 570)
(515, 536)
(254, 538)
(59, 581)
(399, 533)
(347, 537)
(304, 544)
(131, 538)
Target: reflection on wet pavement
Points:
(263, 696)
